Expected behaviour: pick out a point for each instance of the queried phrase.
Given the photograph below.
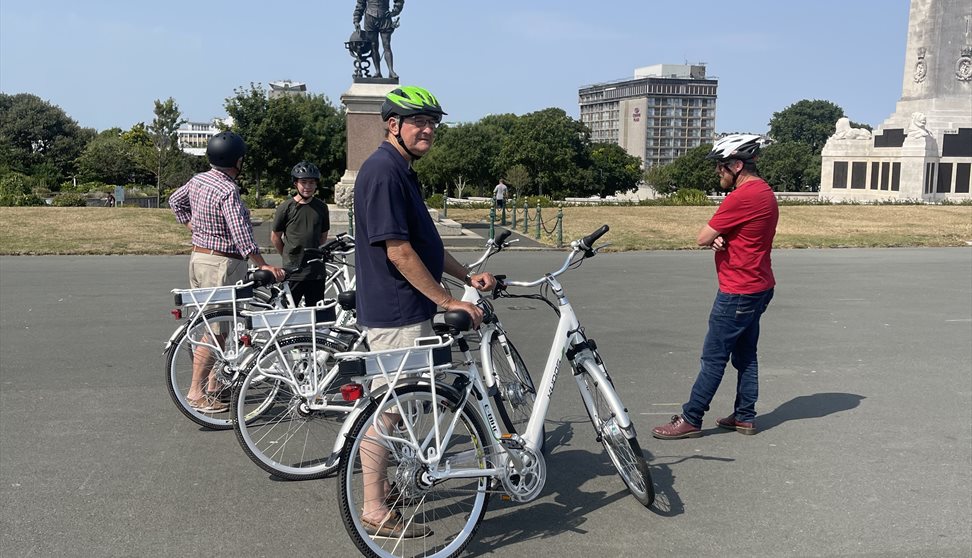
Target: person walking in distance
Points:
(302, 222)
(741, 233)
(400, 260)
(499, 194)
(209, 205)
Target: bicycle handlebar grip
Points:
(588, 241)
(502, 237)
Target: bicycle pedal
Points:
(511, 441)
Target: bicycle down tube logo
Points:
(553, 380)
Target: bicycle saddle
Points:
(347, 300)
(262, 278)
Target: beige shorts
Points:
(384, 338)
(207, 270)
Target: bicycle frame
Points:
(568, 335)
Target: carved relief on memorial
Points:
(920, 68)
(963, 68)
(844, 131)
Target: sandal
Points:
(207, 404)
(394, 527)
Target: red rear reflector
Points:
(352, 392)
(246, 340)
(177, 313)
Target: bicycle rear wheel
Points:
(277, 427)
(180, 358)
(516, 393)
(444, 514)
(621, 445)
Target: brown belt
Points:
(217, 253)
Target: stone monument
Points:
(924, 150)
(365, 130)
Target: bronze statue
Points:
(378, 20)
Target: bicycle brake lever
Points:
(499, 287)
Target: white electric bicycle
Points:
(431, 437)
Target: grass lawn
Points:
(101, 230)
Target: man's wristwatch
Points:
(468, 280)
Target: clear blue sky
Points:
(104, 62)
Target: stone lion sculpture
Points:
(917, 129)
(844, 131)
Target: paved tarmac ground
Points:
(865, 446)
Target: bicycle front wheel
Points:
(286, 434)
(380, 473)
(622, 447)
(186, 363)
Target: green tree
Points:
(466, 150)
(110, 159)
(162, 157)
(323, 138)
(614, 171)
(38, 136)
(518, 178)
(137, 136)
(809, 122)
(272, 130)
(555, 148)
(790, 167)
(691, 170)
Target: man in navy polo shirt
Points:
(399, 261)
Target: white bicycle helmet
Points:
(744, 147)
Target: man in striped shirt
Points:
(222, 240)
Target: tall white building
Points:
(658, 115)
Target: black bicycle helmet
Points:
(410, 101)
(225, 149)
(744, 147)
(304, 169)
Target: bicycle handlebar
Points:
(584, 245)
(493, 246)
(588, 241)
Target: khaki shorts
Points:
(384, 338)
(207, 270)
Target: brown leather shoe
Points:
(731, 423)
(676, 429)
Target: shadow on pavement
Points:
(807, 407)
(513, 523)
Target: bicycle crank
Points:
(524, 485)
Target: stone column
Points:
(365, 131)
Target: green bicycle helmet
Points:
(410, 100)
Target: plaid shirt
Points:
(220, 221)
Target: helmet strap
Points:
(401, 142)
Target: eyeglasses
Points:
(422, 122)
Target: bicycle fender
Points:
(617, 407)
(175, 335)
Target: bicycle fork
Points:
(584, 360)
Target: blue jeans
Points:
(733, 335)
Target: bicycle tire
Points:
(453, 508)
(179, 358)
(274, 425)
(515, 391)
(622, 448)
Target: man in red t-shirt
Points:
(741, 234)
